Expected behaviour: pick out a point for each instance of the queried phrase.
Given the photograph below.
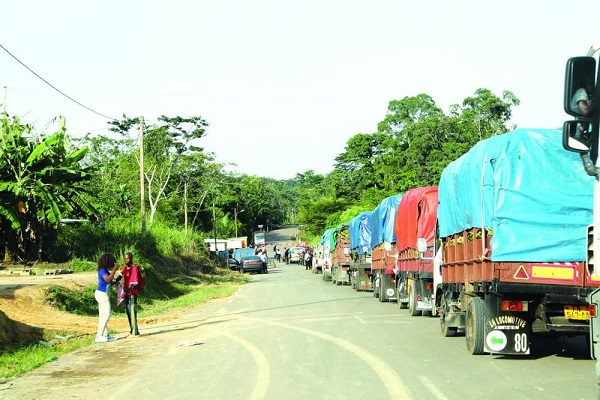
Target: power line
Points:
(53, 87)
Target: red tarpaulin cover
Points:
(416, 217)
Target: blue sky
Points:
(283, 84)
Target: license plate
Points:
(577, 312)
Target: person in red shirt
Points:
(131, 282)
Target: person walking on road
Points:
(308, 261)
(107, 268)
(132, 283)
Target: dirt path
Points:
(23, 304)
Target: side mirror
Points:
(580, 71)
(577, 135)
(422, 245)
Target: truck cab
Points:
(581, 135)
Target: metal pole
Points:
(235, 220)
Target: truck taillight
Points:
(593, 310)
(514, 305)
(392, 279)
(428, 286)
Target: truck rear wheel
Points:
(475, 327)
(412, 300)
(446, 330)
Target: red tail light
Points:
(593, 310)
(428, 286)
(514, 305)
(392, 279)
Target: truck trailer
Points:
(340, 255)
(383, 248)
(359, 229)
(512, 218)
(416, 220)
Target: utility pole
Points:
(143, 202)
(235, 213)
(215, 227)
(185, 216)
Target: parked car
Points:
(233, 264)
(296, 253)
(252, 263)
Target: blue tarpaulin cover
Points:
(533, 194)
(360, 232)
(382, 221)
(326, 240)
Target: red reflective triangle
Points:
(521, 273)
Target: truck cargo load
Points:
(359, 229)
(522, 185)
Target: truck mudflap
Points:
(361, 278)
(385, 285)
(507, 334)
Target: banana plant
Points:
(41, 180)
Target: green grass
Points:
(13, 364)
(198, 296)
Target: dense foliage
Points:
(46, 179)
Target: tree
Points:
(41, 180)
(166, 145)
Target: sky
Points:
(283, 84)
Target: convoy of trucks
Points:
(497, 250)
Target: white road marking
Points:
(432, 388)
(391, 380)
(263, 371)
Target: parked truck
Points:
(327, 250)
(416, 220)
(383, 248)
(340, 255)
(359, 229)
(512, 218)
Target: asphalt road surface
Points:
(290, 335)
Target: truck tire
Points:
(412, 300)
(446, 330)
(475, 326)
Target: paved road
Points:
(290, 335)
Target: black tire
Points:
(475, 326)
(375, 287)
(446, 330)
(412, 300)
(381, 295)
